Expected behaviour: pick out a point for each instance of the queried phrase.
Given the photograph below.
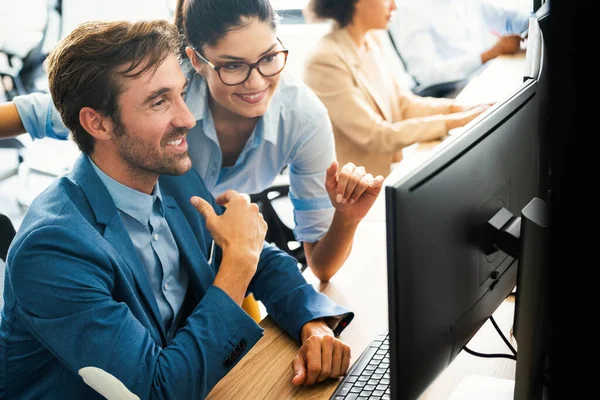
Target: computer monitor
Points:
(446, 274)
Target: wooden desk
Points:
(360, 285)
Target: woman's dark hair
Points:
(341, 11)
(205, 22)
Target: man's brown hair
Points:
(86, 67)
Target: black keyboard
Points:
(369, 377)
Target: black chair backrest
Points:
(7, 234)
(278, 232)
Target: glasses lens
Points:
(233, 74)
(236, 73)
(272, 64)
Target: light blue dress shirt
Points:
(144, 218)
(295, 132)
(442, 40)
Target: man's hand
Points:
(241, 227)
(352, 191)
(322, 356)
(509, 44)
(240, 232)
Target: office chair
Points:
(279, 232)
(19, 147)
(20, 66)
(443, 89)
(7, 234)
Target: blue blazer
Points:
(77, 295)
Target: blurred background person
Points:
(354, 74)
(448, 40)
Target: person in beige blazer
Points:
(352, 72)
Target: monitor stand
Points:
(476, 387)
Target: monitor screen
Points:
(443, 282)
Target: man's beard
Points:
(150, 160)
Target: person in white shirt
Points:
(448, 40)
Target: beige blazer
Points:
(373, 118)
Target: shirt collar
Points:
(134, 203)
(197, 95)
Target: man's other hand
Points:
(322, 355)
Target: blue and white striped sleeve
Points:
(39, 117)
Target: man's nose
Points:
(184, 117)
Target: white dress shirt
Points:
(442, 40)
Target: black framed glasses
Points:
(237, 72)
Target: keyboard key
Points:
(363, 361)
(344, 389)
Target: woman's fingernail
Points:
(338, 198)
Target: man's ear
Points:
(96, 124)
(196, 63)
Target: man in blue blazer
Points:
(128, 264)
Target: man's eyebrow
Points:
(234, 58)
(163, 90)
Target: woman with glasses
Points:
(252, 121)
(353, 73)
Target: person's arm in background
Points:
(325, 226)
(332, 82)
(508, 24)
(34, 114)
(504, 21)
(10, 125)
(414, 31)
(507, 44)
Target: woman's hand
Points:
(352, 190)
(459, 119)
(456, 108)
